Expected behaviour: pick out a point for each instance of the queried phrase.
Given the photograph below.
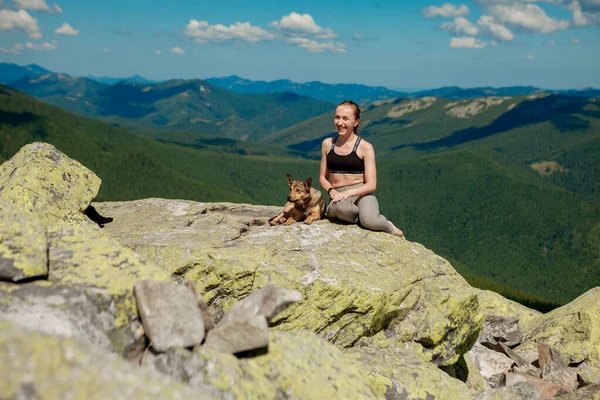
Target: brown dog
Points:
(305, 203)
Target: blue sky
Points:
(397, 44)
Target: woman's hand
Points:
(336, 196)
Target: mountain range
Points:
(333, 93)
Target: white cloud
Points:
(158, 53)
(177, 50)
(58, 9)
(528, 16)
(493, 43)
(316, 47)
(66, 29)
(37, 5)
(19, 20)
(528, 57)
(296, 24)
(585, 12)
(105, 50)
(461, 26)
(446, 10)
(499, 31)
(42, 46)
(467, 42)
(202, 32)
(575, 41)
(15, 50)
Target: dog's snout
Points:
(289, 198)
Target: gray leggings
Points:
(363, 209)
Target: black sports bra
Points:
(348, 164)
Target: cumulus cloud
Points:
(575, 41)
(57, 8)
(66, 29)
(37, 5)
(46, 46)
(296, 24)
(467, 42)
(15, 50)
(446, 10)
(528, 57)
(316, 47)
(499, 31)
(202, 32)
(158, 53)
(461, 26)
(177, 50)
(105, 50)
(528, 16)
(19, 20)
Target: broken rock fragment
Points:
(170, 314)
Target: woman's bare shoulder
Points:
(327, 142)
(365, 146)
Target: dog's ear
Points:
(290, 179)
(308, 183)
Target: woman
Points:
(350, 163)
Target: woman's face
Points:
(345, 120)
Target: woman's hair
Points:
(354, 107)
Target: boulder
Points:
(82, 256)
(35, 365)
(23, 248)
(55, 309)
(360, 287)
(407, 374)
(298, 365)
(573, 329)
(491, 303)
(43, 180)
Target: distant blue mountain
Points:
(107, 80)
(333, 93)
(12, 72)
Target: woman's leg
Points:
(369, 217)
(345, 211)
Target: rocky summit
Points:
(181, 299)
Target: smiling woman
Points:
(349, 174)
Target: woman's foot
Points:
(396, 231)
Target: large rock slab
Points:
(42, 179)
(573, 329)
(356, 283)
(23, 248)
(35, 366)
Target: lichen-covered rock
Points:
(82, 256)
(492, 303)
(54, 309)
(42, 179)
(35, 365)
(404, 374)
(298, 365)
(573, 329)
(356, 283)
(23, 248)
